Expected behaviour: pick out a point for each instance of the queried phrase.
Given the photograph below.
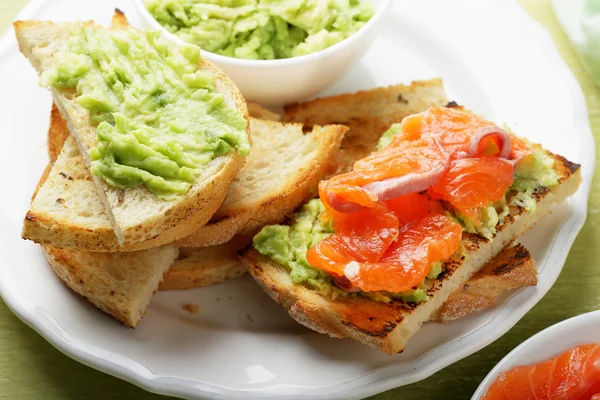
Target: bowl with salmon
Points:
(561, 362)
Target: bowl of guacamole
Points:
(275, 51)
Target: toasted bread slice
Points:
(280, 174)
(206, 266)
(135, 213)
(389, 326)
(367, 113)
(512, 269)
(120, 284)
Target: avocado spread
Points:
(261, 29)
(159, 119)
(288, 244)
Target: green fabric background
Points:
(30, 368)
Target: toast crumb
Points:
(191, 308)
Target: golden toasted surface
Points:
(389, 326)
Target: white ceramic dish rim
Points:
(556, 329)
(375, 381)
(240, 62)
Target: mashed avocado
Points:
(261, 29)
(159, 118)
(488, 220)
(287, 245)
(537, 169)
(533, 172)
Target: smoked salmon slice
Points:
(471, 183)
(418, 161)
(572, 375)
(403, 265)
(363, 236)
(454, 127)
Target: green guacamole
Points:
(159, 119)
(288, 244)
(261, 29)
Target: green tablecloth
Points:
(30, 368)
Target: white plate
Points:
(582, 329)
(493, 58)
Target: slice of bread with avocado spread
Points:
(120, 284)
(115, 83)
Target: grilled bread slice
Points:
(136, 214)
(512, 269)
(389, 326)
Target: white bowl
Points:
(289, 80)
